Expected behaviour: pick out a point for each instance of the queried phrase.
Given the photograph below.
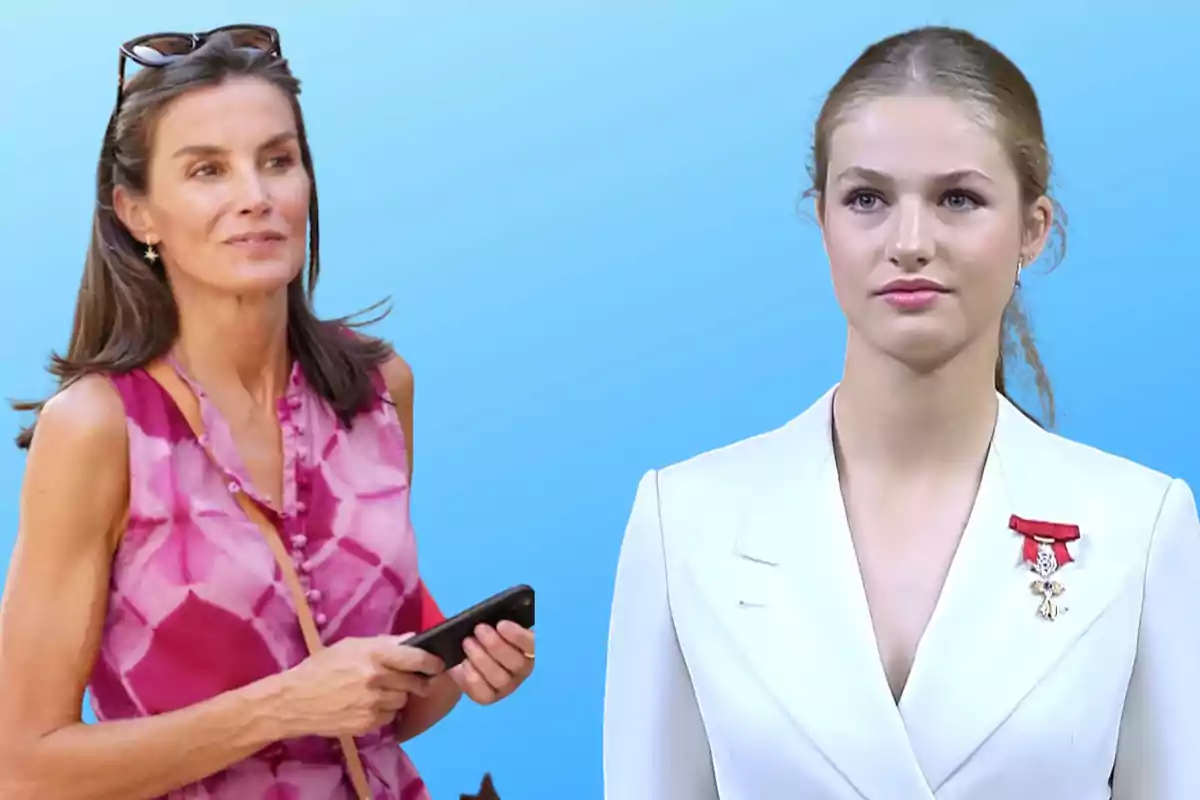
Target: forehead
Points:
(913, 136)
(236, 113)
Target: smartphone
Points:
(445, 640)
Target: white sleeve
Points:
(1158, 753)
(655, 747)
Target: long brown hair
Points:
(954, 63)
(125, 313)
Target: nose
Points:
(911, 244)
(253, 194)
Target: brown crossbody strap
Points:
(189, 406)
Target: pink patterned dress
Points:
(197, 605)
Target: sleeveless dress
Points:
(197, 605)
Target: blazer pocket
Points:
(755, 584)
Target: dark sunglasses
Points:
(161, 49)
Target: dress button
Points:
(299, 541)
(301, 507)
(313, 595)
(234, 488)
(305, 567)
(320, 619)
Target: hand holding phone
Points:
(445, 640)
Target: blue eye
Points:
(961, 201)
(862, 200)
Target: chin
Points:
(263, 277)
(922, 351)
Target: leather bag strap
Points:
(189, 406)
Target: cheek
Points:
(292, 200)
(188, 215)
(852, 258)
(988, 268)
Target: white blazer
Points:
(742, 663)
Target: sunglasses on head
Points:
(161, 49)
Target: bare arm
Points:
(51, 620)
(423, 713)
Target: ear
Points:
(134, 214)
(1038, 227)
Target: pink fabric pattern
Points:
(197, 605)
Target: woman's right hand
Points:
(355, 686)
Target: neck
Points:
(888, 415)
(235, 345)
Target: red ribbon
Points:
(1056, 534)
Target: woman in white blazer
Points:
(913, 590)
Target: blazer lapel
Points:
(986, 648)
(800, 612)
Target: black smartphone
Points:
(445, 640)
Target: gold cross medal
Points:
(1048, 589)
(1045, 551)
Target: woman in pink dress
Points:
(214, 532)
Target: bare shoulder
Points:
(77, 472)
(87, 416)
(398, 376)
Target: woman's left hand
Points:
(498, 661)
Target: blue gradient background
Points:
(588, 222)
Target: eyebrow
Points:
(214, 150)
(875, 176)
